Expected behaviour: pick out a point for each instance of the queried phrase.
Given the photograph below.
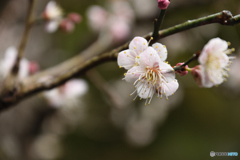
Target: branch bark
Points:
(61, 73)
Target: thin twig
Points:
(194, 57)
(23, 42)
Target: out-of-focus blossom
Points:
(116, 22)
(8, 61)
(54, 15)
(33, 67)
(52, 11)
(180, 72)
(67, 94)
(196, 73)
(67, 25)
(214, 62)
(163, 4)
(74, 17)
(97, 17)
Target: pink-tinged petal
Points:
(167, 71)
(170, 88)
(126, 59)
(149, 58)
(161, 50)
(206, 78)
(145, 90)
(133, 74)
(197, 74)
(214, 46)
(138, 44)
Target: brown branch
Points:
(59, 74)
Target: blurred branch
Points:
(23, 42)
(59, 74)
(100, 83)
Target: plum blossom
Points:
(54, 15)
(147, 69)
(67, 94)
(214, 62)
(130, 57)
(8, 61)
(115, 22)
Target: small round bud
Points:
(75, 17)
(163, 4)
(182, 72)
(67, 25)
(196, 73)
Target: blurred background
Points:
(103, 122)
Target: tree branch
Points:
(59, 74)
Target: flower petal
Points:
(149, 58)
(133, 74)
(167, 71)
(145, 90)
(161, 50)
(214, 46)
(170, 88)
(126, 59)
(138, 44)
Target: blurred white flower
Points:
(53, 11)
(67, 94)
(97, 17)
(214, 62)
(116, 22)
(8, 61)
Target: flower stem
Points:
(194, 57)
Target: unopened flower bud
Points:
(163, 4)
(182, 72)
(75, 17)
(67, 25)
(33, 67)
(196, 73)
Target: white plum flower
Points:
(54, 14)
(152, 75)
(214, 62)
(53, 11)
(67, 94)
(130, 57)
(8, 61)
